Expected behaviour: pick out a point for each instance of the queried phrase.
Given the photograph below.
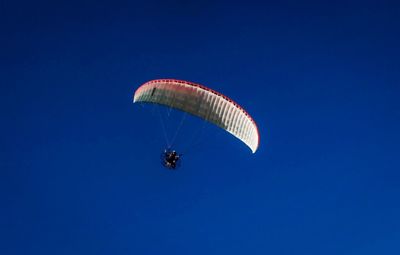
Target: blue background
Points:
(80, 170)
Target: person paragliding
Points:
(200, 101)
(170, 159)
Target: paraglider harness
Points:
(170, 159)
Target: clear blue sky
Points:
(80, 170)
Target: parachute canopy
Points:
(202, 102)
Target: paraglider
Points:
(203, 102)
(170, 159)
